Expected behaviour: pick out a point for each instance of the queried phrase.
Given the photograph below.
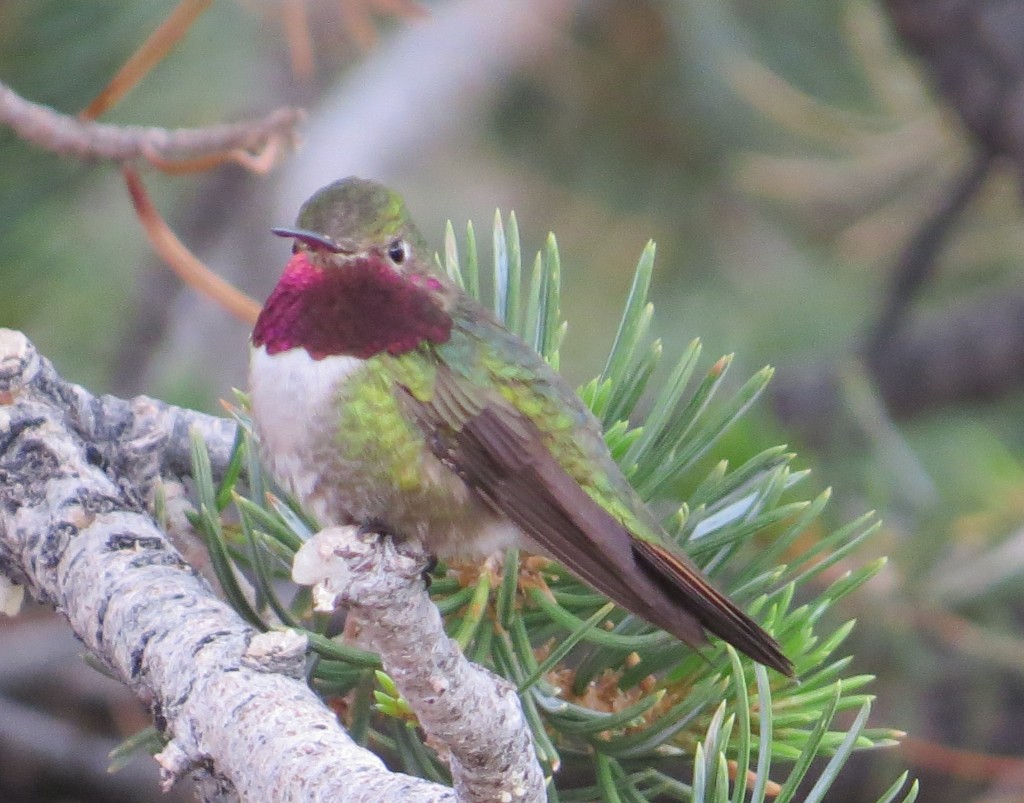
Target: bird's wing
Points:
(502, 456)
(709, 606)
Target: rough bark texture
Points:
(75, 471)
(451, 696)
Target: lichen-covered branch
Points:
(76, 471)
(469, 712)
(75, 532)
(158, 433)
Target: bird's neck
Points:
(360, 309)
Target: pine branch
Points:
(605, 695)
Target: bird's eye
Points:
(398, 251)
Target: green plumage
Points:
(487, 365)
(531, 387)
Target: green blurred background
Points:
(782, 154)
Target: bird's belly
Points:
(339, 444)
(293, 401)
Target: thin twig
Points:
(357, 16)
(150, 53)
(967, 765)
(84, 139)
(183, 262)
(295, 16)
(260, 162)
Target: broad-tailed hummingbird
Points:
(385, 396)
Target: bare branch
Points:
(295, 17)
(79, 540)
(473, 714)
(357, 16)
(84, 139)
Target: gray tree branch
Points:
(86, 139)
(76, 471)
(451, 696)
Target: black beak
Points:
(312, 239)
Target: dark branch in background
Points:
(973, 352)
(918, 261)
(972, 52)
(84, 139)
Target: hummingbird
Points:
(384, 396)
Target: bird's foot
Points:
(428, 570)
(373, 529)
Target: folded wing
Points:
(501, 455)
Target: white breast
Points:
(295, 407)
(290, 393)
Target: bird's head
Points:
(359, 281)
